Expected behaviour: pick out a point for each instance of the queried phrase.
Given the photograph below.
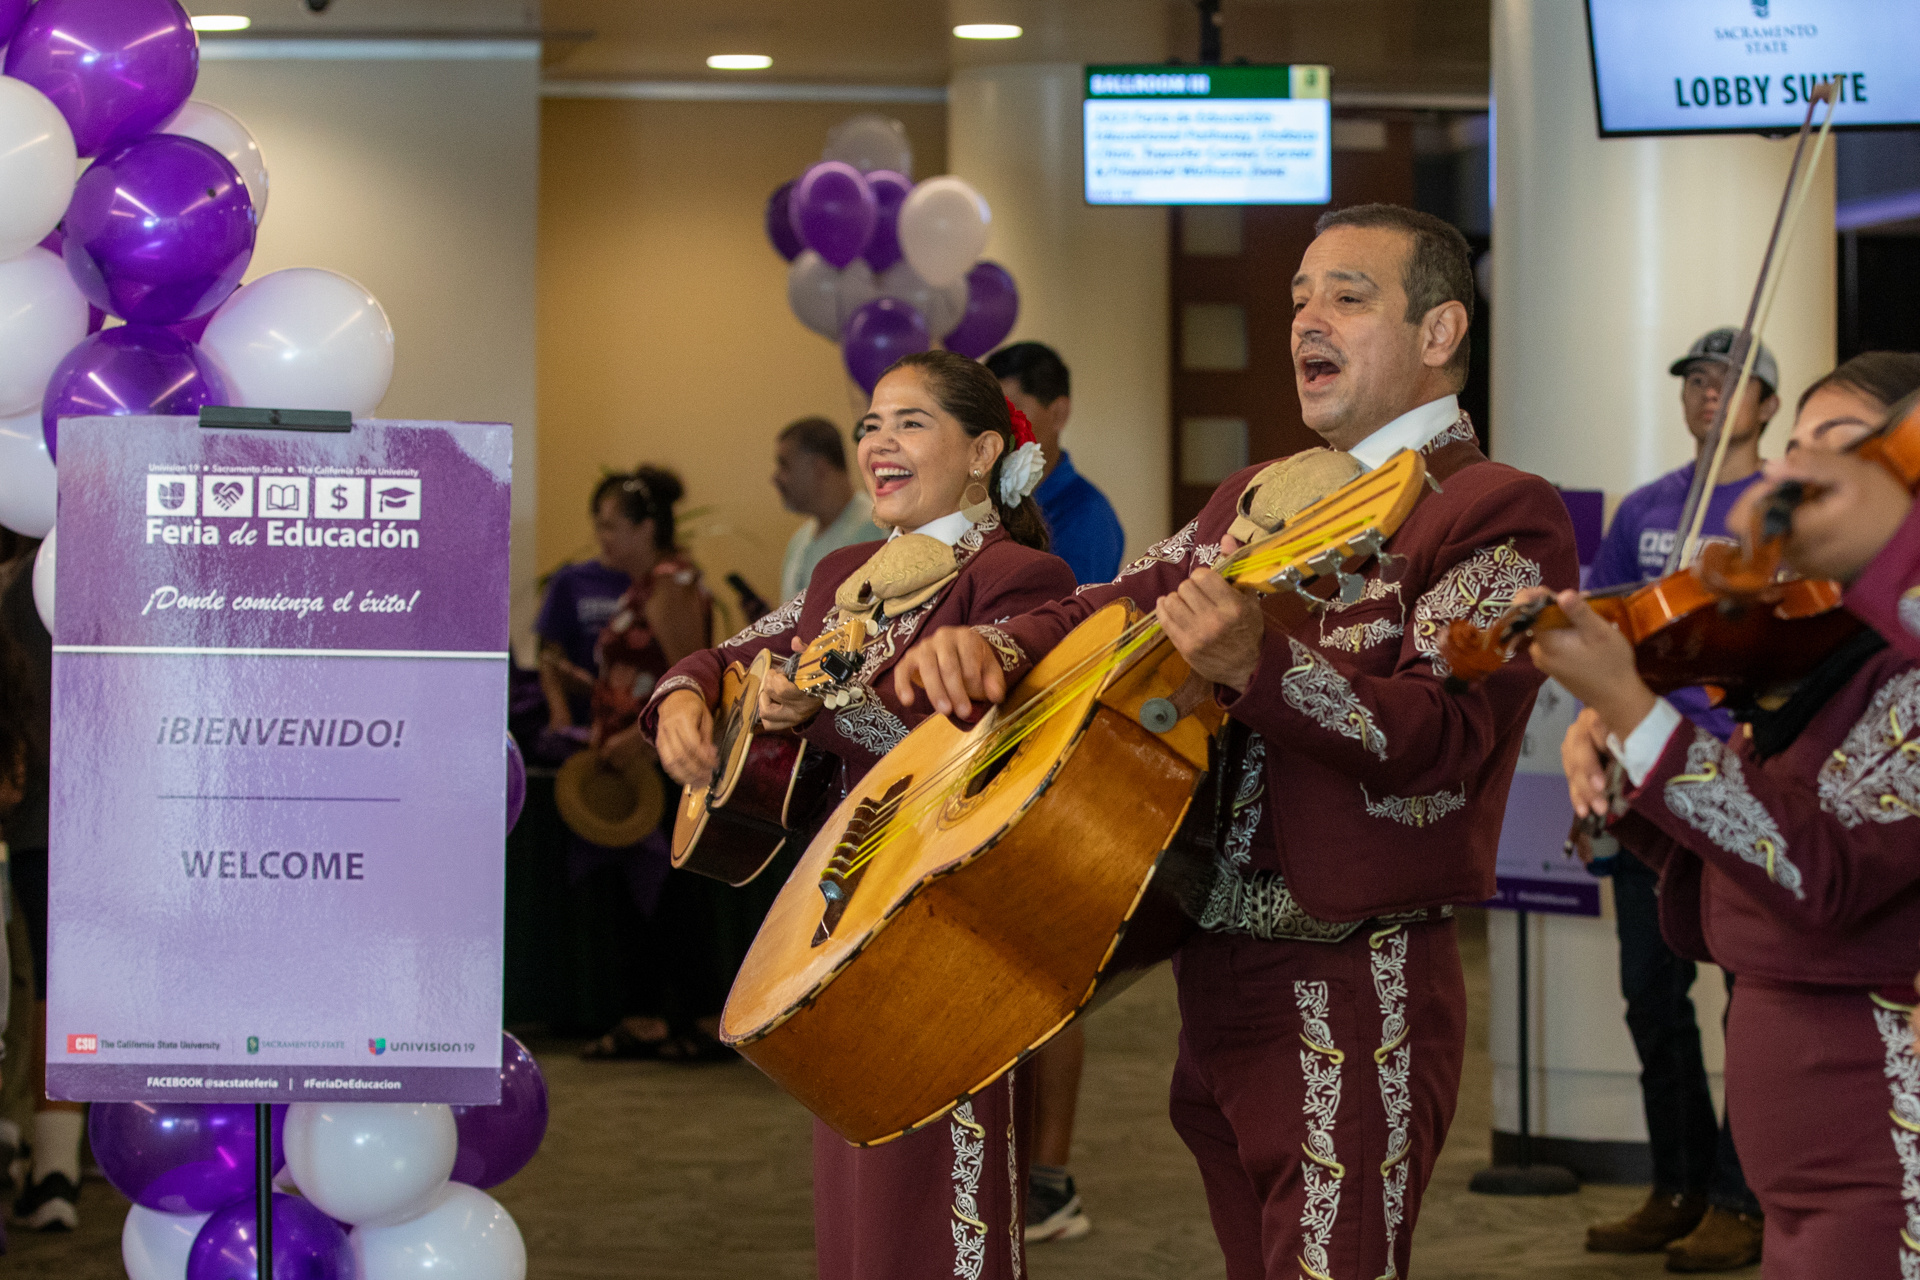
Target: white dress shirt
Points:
(1410, 430)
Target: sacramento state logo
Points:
(253, 1044)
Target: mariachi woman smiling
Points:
(951, 469)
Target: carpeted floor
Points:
(698, 1173)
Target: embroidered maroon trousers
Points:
(1314, 1086)
(947, 1202)
(1824, 1091)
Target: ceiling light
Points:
(739, 62)
(221, 22)
(987, 31)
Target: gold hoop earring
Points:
(976, 509)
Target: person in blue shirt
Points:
(1087, 535)
(1700, 1209)
(1086, 532)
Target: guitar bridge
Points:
(854, 852)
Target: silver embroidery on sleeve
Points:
(1005, 647)
(1361, 635)
(1175, 550)
(1416, 811)
(869, 724)
(1908, 610)
(1394, 1061)
(781, 619)
(1321, 1170)
(1712, 798)
(969, 1158)
(1875, 775)
(1478, 589)
(1317, 691)
(1903, 1085)
(671, 683)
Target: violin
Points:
(1725, 620)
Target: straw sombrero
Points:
(608, 805)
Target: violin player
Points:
(952, 468)
(1859, 524)
(1785, 855)
(1699, 1209)
(1322, 1004)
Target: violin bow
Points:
(1746, 344)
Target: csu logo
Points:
(83, 1044)
(253, 1044)
(376, 1047)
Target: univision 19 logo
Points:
(377, 1047)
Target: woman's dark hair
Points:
(968, 390)
(1887, 376)
(648, 493)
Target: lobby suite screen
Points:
(1741, 66)
(1161, 134)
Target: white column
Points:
(1609, 258)
(1092, 280)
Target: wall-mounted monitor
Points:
(1162, 134)
(1746, 66)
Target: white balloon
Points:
(858, 287)
(43, 315)
(812, 289)
(464, 1234)
(37, 166)
(154, 1245)
(219, 129)
(943, 308)
(303, 338)
(868, 142)
(943, 228)
(43, 583)
(27, 484)
(370, 1162)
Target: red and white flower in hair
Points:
(1020, 471)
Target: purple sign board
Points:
(279, 709)
(1533, 873)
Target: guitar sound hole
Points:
(981, 780)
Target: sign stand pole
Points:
(263, 1187)
(270, 420)
(1525, 1178)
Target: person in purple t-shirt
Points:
(581, 599)
(1700, 1210)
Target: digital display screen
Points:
(1744, 66)
(1168, 134)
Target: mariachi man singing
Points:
(1323, 1012)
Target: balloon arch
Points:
(883, 266)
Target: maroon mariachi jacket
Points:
(1887, 596)
(1388, 790)
(998, 578)
(1804, 867)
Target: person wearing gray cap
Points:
(1700, 1211)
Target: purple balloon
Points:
(134, 369)
(889, 192)
(786, 241)
(159, 230)
(993, 304)
(496, 1142)
(307, 1244)
(117, 69)
(96, 318)
(834, 211)
(516, 783)
(878, 334)
(179, 1157)
(11, 12)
